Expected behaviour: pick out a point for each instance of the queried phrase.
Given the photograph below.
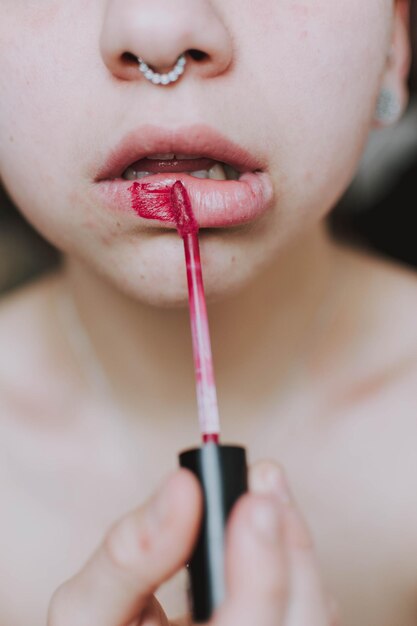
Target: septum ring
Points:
(163, 79)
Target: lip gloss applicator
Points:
(220, 469)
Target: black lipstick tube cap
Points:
(222, 473)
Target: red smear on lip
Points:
(182, 210)
(164, 203)
(153, 202)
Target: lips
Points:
(216, 203)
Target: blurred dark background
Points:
(378, 211)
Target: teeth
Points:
(200, 174)
(130, 174)
(231, 173)
(217, 172)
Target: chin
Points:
(165, 284)
(170, 290)
(151, 269)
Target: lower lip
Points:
(216, 204)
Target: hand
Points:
(271, 569)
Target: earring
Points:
(388, 108)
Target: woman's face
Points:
(294, 83)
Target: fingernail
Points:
(266, 520)
(160, 504)
(272, 481)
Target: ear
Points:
(394, 79)
(401, 45)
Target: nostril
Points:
(128, 58)
(197, 55)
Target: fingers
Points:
(152, 615)
(271, 568)
(256, 567)
(308, 603)
(140, 552)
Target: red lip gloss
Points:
(152, 201)
(221, 470)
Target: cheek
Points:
(46, 100)
(305, 79)
(314, 70)
(46, 107)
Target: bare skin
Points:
(345, 442)
(314, 344)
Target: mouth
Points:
(196, 166)
(227, 184)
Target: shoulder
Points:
(376, 323)
(370, 402)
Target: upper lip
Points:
(199, 140)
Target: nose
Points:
(159, 31)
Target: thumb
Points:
(140, 552)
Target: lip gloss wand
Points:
(220, 469)
(205, 385)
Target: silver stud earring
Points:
(388, 108)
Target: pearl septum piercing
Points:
(163, 79)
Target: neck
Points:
(259, 336)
